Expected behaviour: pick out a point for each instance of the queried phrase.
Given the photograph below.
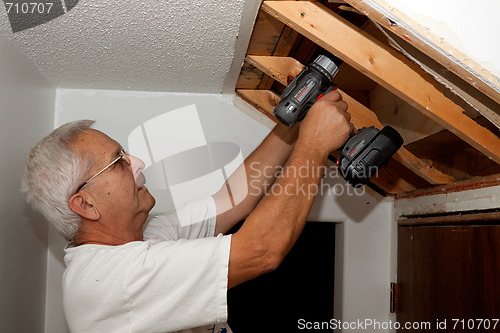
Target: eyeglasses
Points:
(122, 156)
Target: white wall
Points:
(365, 222)
(26, 114)
(365, 252)
(117, 113)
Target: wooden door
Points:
(449, 277)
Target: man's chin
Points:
(153, 202)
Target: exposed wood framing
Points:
(265, 36)
(408, 121)
(431, 44)
(283, 47)
(283, 69)
(385, 66)
(390, 181)
(270, 37)
(249, 78)
(264, 100)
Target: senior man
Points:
(130, 273)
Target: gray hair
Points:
(53, 174)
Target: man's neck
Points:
(94, 232)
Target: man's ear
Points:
(84, 206)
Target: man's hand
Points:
(326, 126)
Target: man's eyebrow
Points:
(117, 152)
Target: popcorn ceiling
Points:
(176, 46)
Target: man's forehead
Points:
(93, 139)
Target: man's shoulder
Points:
(95, 254)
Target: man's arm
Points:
(261, 168)
(272, 228)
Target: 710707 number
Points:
(475, 324)
(29, 8)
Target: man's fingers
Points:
(348, 116)
(342, 105)
(333, 96)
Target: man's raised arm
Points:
(272, 228)
(261, 168)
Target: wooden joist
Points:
(283, 69)
(264, 100)
(383, 65)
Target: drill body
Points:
(307, 87)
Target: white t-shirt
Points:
(173, 280)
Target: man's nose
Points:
(137, 165)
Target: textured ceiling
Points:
(176, 45)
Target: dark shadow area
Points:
(300, 289)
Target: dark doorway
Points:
(301, 288)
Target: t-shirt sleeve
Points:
(192, 220)
(179, 284)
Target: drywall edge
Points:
(479, 199)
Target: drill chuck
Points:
(326, 66)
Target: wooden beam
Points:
(390, 178)
(431, 44)
(284, 68)
(385, 66)
(264, 100)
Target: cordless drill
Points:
(365, 152)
